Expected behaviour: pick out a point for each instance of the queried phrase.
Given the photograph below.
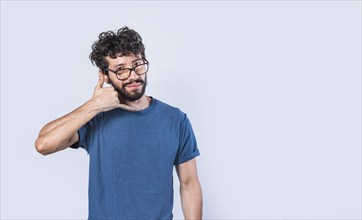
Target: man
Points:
(133, 140)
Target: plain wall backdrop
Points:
(272, 89)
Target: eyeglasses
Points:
(124, 73)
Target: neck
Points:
(139, 104)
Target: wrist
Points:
(91, 107)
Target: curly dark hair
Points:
(114, 44)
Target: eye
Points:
(138, 63)
(120, 69)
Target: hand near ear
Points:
(106, 98)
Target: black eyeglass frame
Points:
(132, 69)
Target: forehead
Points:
(122, 60)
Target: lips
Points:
(133, 85)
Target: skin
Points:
(62, 132)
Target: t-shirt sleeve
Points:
(83, 138)
(187, 149)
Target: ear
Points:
(106, 79)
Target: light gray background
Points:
(272, 88)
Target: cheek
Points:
(114, 82)
(112, 79)
(144, 77)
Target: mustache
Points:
(133, 81)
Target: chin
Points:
(133, 98)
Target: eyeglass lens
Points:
(139, 70)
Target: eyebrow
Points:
(122, 64)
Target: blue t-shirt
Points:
(132, 155)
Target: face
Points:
(134, 87)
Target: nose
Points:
(133, 75)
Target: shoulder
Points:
(169, 110)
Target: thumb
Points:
(100, 80)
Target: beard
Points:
(133, 95)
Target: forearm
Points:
(191, 200)
(57, 134)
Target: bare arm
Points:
(190, 190)
(62, 132)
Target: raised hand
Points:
(62, 132)
(106, 98)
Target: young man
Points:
(133, 140)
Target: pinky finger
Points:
(126, 107)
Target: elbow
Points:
(40, 146)
(190, 185)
